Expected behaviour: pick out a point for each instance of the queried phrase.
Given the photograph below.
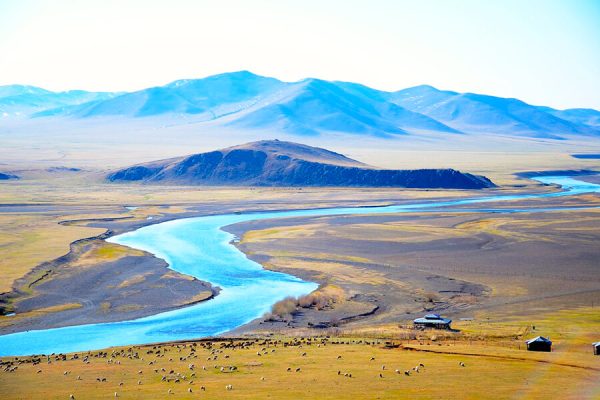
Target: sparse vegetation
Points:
(488, 347)
(306, 367)
(319, 300)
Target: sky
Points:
(545, 52)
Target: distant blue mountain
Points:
(20, 100)
(18, 90)
(475, 112)
(244, 100)
(312, 106)
(215, 95)
(585, 116)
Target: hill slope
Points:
(476, 112)
(245, 101)
(21, 100)
(277, 163)
(5, 177)
(189, 96)
(313, 105)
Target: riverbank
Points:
(455, 264)
(97, 282)
(444, 281)
(65, 291)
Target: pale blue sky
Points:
(544, 52)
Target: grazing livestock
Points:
(462, 364)
(229, 387)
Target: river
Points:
(199, 248)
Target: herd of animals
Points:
(194, 363)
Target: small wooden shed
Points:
(539, 343)
(596, 348)
(432, 321)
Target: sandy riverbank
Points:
(136, 284)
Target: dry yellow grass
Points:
(40, 311)
(488, 372)
(265, 235)
(132, 281)
(197, 298)
(335, 272)
(74, 192)
(28, 240)
(105, 251)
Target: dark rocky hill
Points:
(278, 163)
(4, 177)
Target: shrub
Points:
(322, 298)
(284, 307)
(431, 296)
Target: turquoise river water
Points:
(198, 247)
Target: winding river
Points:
(198, 247)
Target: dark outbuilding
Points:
(539, 343)
(596, 348)
(432, 321)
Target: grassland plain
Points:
(43, 214)
(406, 263)
(450, 262)
(463, 365)
(91, 147)
(365, 256)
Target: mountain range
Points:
(280, 163)
(243, 100)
